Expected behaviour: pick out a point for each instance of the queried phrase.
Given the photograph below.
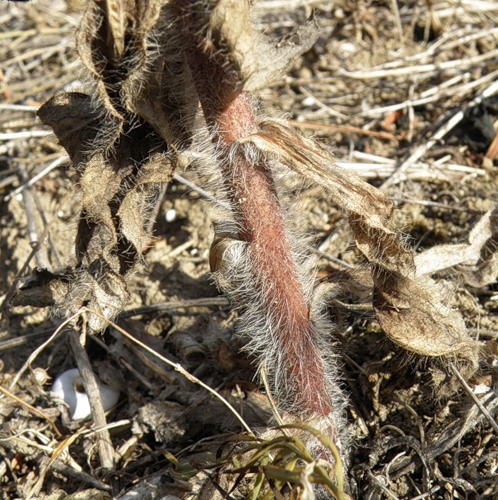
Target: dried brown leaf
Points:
(42, 289)
(477, 259)
(257, 59)
(75, 120)
(132, 49)
(135, 206)
(225, 25)
(408, 307)
(66, 292)
(315, 163)
(412, 317)
(486, 268)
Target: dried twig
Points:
(448, 125)
(476, 400)
(51, 166)
(106, 450)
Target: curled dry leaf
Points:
(257, 59)
(76, 121)
(42, 289)
(133, 50)
(485, 271)
(408, 307)
(413, 317)
(477, 260)
(120, 159)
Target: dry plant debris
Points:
(407, 94)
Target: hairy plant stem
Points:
(230, 117)
(258, 212)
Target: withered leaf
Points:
(42, 289)
(407, 307)
(131, 48)
(477, 260)
(486, 268)
(312, 161)
(159, 86)
(136, 204)
(76, 122)
(115, 20)
(257, 60)
(67, 292)
(413, 318)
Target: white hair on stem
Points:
(262, 318)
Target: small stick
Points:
(321, 105)
(273, 405)
(106, 451)
(397, 20)
(39, 349)
(330, 127)
(28, 134)
(425, 98)
(37, 177)
(37, 241)
(422, 68)
(197, 189)
(492, 151)
(45, 52)
(136, 311)
(454, 433)
(171, 306)
(18, 107)
(441, 132)
(476, 400)
(81, 476)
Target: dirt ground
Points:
(405, 93)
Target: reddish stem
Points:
(258, 212)
(230, 117)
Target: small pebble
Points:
(68, 387)
(308, 101)
(170, 215)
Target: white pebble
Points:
(348, 47)
(68, 387)
(308, 101)
(481, 389)
(170, 215)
